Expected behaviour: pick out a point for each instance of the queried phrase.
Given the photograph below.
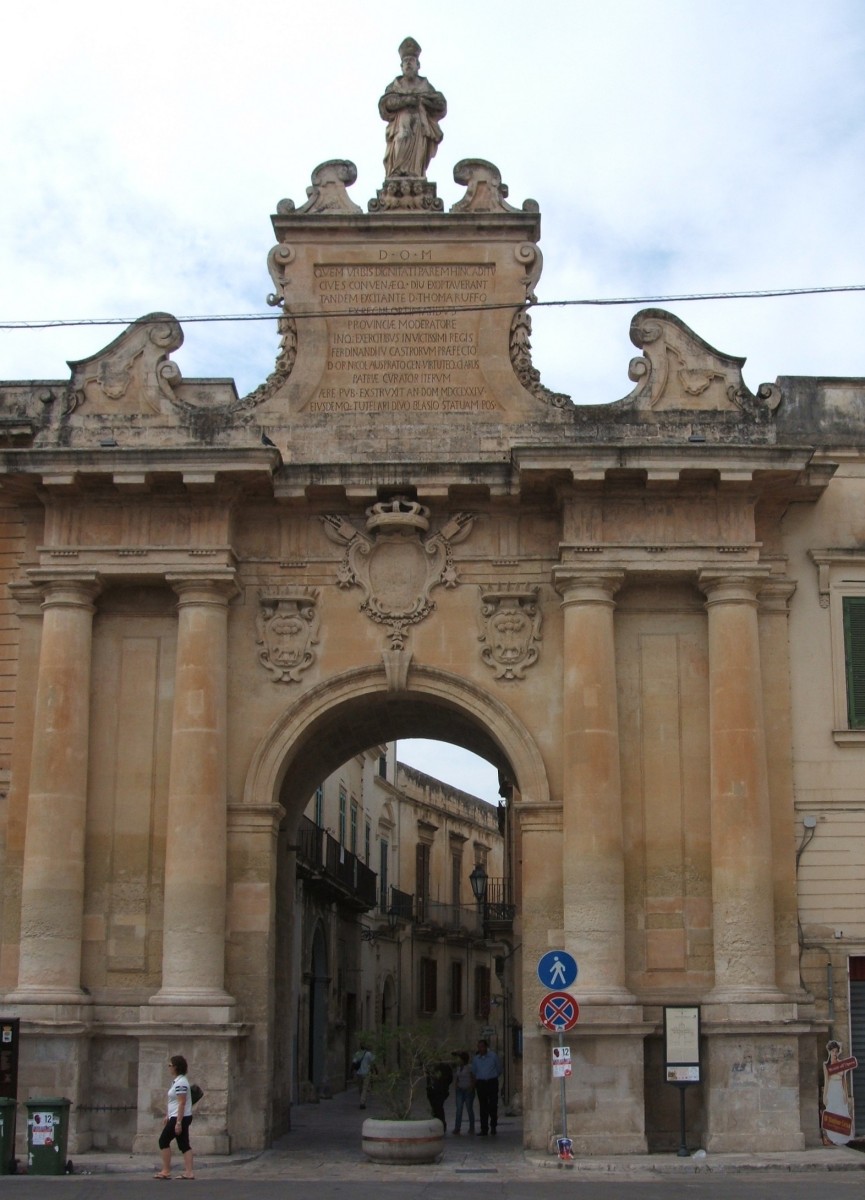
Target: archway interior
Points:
(368, 721)
(347, 729)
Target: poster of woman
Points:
(837, 1119)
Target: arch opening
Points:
(332, 725)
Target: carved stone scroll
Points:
(133, 368)
(521, 360)
(510, 628)
(678, 370)
(287, 625)
(485, 191)
(327, 194)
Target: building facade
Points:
(389, 933)
(646, 614)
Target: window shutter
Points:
(854, 657)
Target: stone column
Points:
(742, 884)
(775, 596)
(52, 885)
(193, 947)
(540, 842)
(594, 868)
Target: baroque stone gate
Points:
(214, 600)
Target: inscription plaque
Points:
(402, 336)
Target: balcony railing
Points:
(322, 859)
(494, 916)
(499, 908)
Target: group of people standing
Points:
(477, 1076)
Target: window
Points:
(853, 608)
(343, 800)
(422, 863)
(456, 989)
(383, 849)
(841, 587)
(482, 992)
(382, 766)
(367, 842)
(428, 990)
(456, 879)
(354, 814)
(319, 806)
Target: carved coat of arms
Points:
(287, 626)
(510, 627)
(394, 564)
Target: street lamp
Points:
(478, 880)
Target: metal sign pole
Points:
(683, 1151)
(562, 1082)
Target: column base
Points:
(203, 998)
(746, 994)
(37, 994)
(603, 996)
(753, 1098)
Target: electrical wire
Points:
(409, 310)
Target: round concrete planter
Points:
(403, 1142)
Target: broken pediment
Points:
(679, 371)
(133, 373)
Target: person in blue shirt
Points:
(487, 1068)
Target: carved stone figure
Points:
(511, 629)
(412, 108)
(287, 626)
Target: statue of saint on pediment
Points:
(412, 108)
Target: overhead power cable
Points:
(412, 310)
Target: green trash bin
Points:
(47, 1135)
(7, 1135)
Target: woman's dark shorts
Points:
(169, 1133)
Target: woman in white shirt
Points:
(177, 1122)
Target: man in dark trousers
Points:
(439, 1077)
(487, 1067)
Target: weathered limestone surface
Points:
(631, 609)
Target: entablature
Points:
(754, 469)
(114, 471)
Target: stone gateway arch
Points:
(212, 600)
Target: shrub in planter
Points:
(403, 1058)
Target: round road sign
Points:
(558, 1011)
(557, 969)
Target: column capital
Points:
(583, 585)
(731, 587)
(210, 587)
(776, 594)
(58, 590)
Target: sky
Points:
(674, 147)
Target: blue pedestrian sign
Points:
(557, 969)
